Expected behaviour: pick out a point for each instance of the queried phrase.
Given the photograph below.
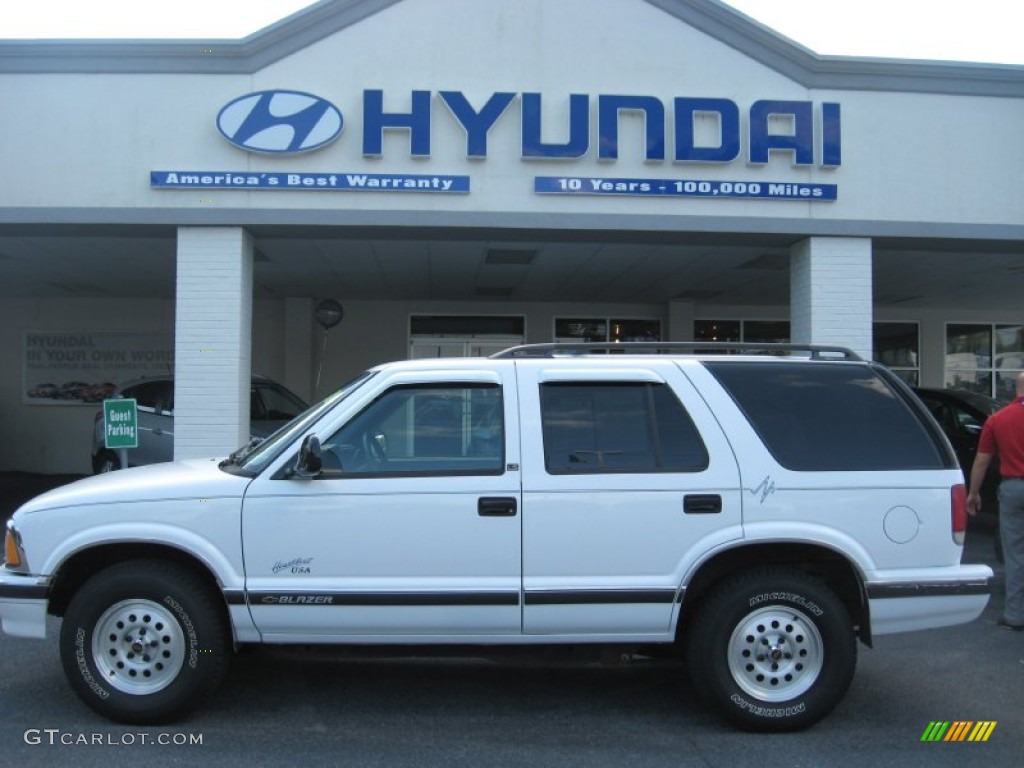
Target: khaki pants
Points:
(1011, 528)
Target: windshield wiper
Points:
(241, 453)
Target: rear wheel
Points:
(144, 641)
(772, 649)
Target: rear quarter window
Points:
(825, 416)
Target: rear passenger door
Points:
(631, 479)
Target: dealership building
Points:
(458, 176)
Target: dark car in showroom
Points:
(270, 406)
(962, 414)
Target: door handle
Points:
(702, 504)
(496, 506)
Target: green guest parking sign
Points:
(120, 423)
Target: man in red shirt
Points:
(1003, 435)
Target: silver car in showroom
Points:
(270, 406)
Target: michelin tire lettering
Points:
(803, 602)
(83, 666)
(760, 711)
(186, 622)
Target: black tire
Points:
(145, 641)
(105, 461)
(773, 649)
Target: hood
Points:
(193, 478)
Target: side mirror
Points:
(310, 460)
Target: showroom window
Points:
(897, 347)
(433, 336)
(984, 358)
(597, 329)
(753, 331)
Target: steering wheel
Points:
(374, 448)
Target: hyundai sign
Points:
(292, 121)
(280, 122)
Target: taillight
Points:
(958, 506)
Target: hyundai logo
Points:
(280, 121)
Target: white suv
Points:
(759, 512)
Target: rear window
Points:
(820, 417)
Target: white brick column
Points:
(830, 292)
(212, 341)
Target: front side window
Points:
(425, 429)
(593, 428)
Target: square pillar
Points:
(830, 293)
(298, 346)
(212, 341)
(680, 321)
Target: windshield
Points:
(250, 459)
(983, 403)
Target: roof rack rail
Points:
(810, 351)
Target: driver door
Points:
(411, 529)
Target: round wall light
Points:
(328, 313)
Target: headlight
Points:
(14, 556)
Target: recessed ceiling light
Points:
(510, 256)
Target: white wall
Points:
(907, 157)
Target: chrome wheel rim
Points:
(138, 647)
(775, 654)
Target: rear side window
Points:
(592, 428)
(819, 417)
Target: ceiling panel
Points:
(136, 261)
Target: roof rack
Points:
(583, 349)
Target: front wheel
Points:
(773, 649)
(144, 641)
(105, 461)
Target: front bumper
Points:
(23, 602)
